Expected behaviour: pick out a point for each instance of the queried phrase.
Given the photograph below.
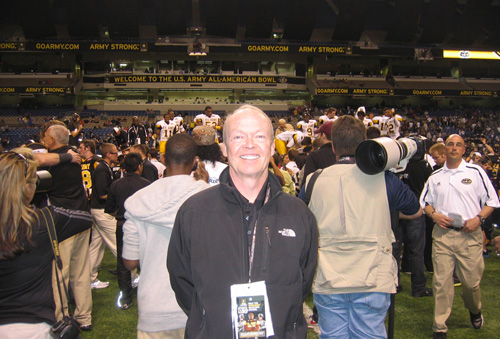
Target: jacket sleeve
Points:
(130, 239)
(179, 264)
(70, 222)
(309, 254)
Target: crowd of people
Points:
(232, 218)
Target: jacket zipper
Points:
(267, 246)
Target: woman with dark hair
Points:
(209, 152)
(26, 298)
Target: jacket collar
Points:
(228, 191)
(462, 167)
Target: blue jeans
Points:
(352, 315)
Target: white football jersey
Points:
(307, 127)
(324, 118)
(367, 122)
(379, 122)
(168, 129)
(392, 126)
(214, 120)
(291, 137)
(180, 123)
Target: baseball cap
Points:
(204, 135)
(326, 128)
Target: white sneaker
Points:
(99, 284)
(135, 283)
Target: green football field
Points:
(413, 319)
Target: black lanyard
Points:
(251, 253)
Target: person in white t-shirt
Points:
(153, 157)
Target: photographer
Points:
(75, 127)
(356, 269)
(26, 298)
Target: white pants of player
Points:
(103, 233)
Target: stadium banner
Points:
(35, 90)
(284, 49)
(75, 46)
(463, 54)
(211, 79)
(406, 92)
(354, 91)
(9, 46)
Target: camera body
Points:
(44, 181)
(383, 154)
(67, 328)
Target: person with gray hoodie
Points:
(150, 215)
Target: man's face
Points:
(306, 118)
(47, 140)
(82, 150)
(208, 112)
(113, 155)
(440, 159)
(455, 148)
(332, 113)
(171, 115)
(282, 124)
(135, 121)
(388, 113)
(249, 145)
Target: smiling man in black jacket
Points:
(244, 246)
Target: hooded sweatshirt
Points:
(150, 215)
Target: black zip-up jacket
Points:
(208, 253)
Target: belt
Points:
(458, 229)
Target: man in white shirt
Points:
(458, 198)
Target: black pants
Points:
(124, 275)
(413, 232)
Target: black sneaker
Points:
(438, 335)
(86, 327)
(123, 304)
(477, 320)
(426, 292)
(126, 306)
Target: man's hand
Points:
(201, 172)
(77, 159)
(471, 225)
(442, 220)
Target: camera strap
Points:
(310, 185)
(49, 221)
